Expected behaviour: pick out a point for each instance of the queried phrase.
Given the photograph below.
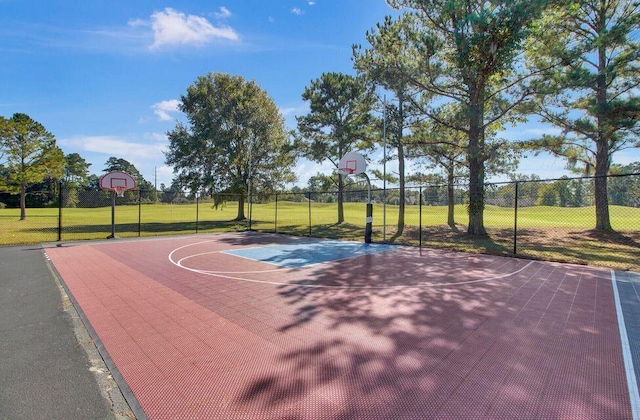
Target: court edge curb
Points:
(126, 392)
(632, 383)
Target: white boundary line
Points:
(632, 383)
(179, 264)
(222, 274)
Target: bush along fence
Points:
(539, 219)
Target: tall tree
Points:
(76, 169)
(76, 174)
(30, 155)
(467, 50)
(235, 137)
(591, 90)
(387, 63)
(339, 121)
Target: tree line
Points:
(436, 84)
(33, 169)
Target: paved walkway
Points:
(200, 334)
(44, 371)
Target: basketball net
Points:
(119, 191)
(346, 171)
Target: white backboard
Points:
(352, 163)
(115, 179)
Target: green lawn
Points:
(550, 233)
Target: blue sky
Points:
(105, 76)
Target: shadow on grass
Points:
(498, 242)
(345, 231)
(620, 250)
(631, 239)
(152, 228)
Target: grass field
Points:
(550, 233)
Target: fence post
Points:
(275, 220)
(139, 212)
(420, 222)
(515, 222)
(60, 197)
(197, 210)
(309, 200)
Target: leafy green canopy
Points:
(339, 121)
(234, 133)
(587, 53)
(591, 52)
(465, 52)
(76, 171)
(28, 155)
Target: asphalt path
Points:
(49, 367)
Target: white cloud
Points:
(224, 13)
(295, 110)
(163, 109)
(146, 153)
(112, 146)
(311, 3)
(173, 28)
(305, 169)
(297, 11)
(157, 137)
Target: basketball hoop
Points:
(346, 171)
(120, 190)
(352, 163)
(118, 181)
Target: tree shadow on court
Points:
(391, 351)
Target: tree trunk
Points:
(603, 221)
(475, 151)
(240, 215)
(450, 195)
(401, 169)
(23, 201)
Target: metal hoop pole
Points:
(113, 215)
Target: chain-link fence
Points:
(541, 219)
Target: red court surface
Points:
(199, 334)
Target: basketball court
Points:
(268, 326)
